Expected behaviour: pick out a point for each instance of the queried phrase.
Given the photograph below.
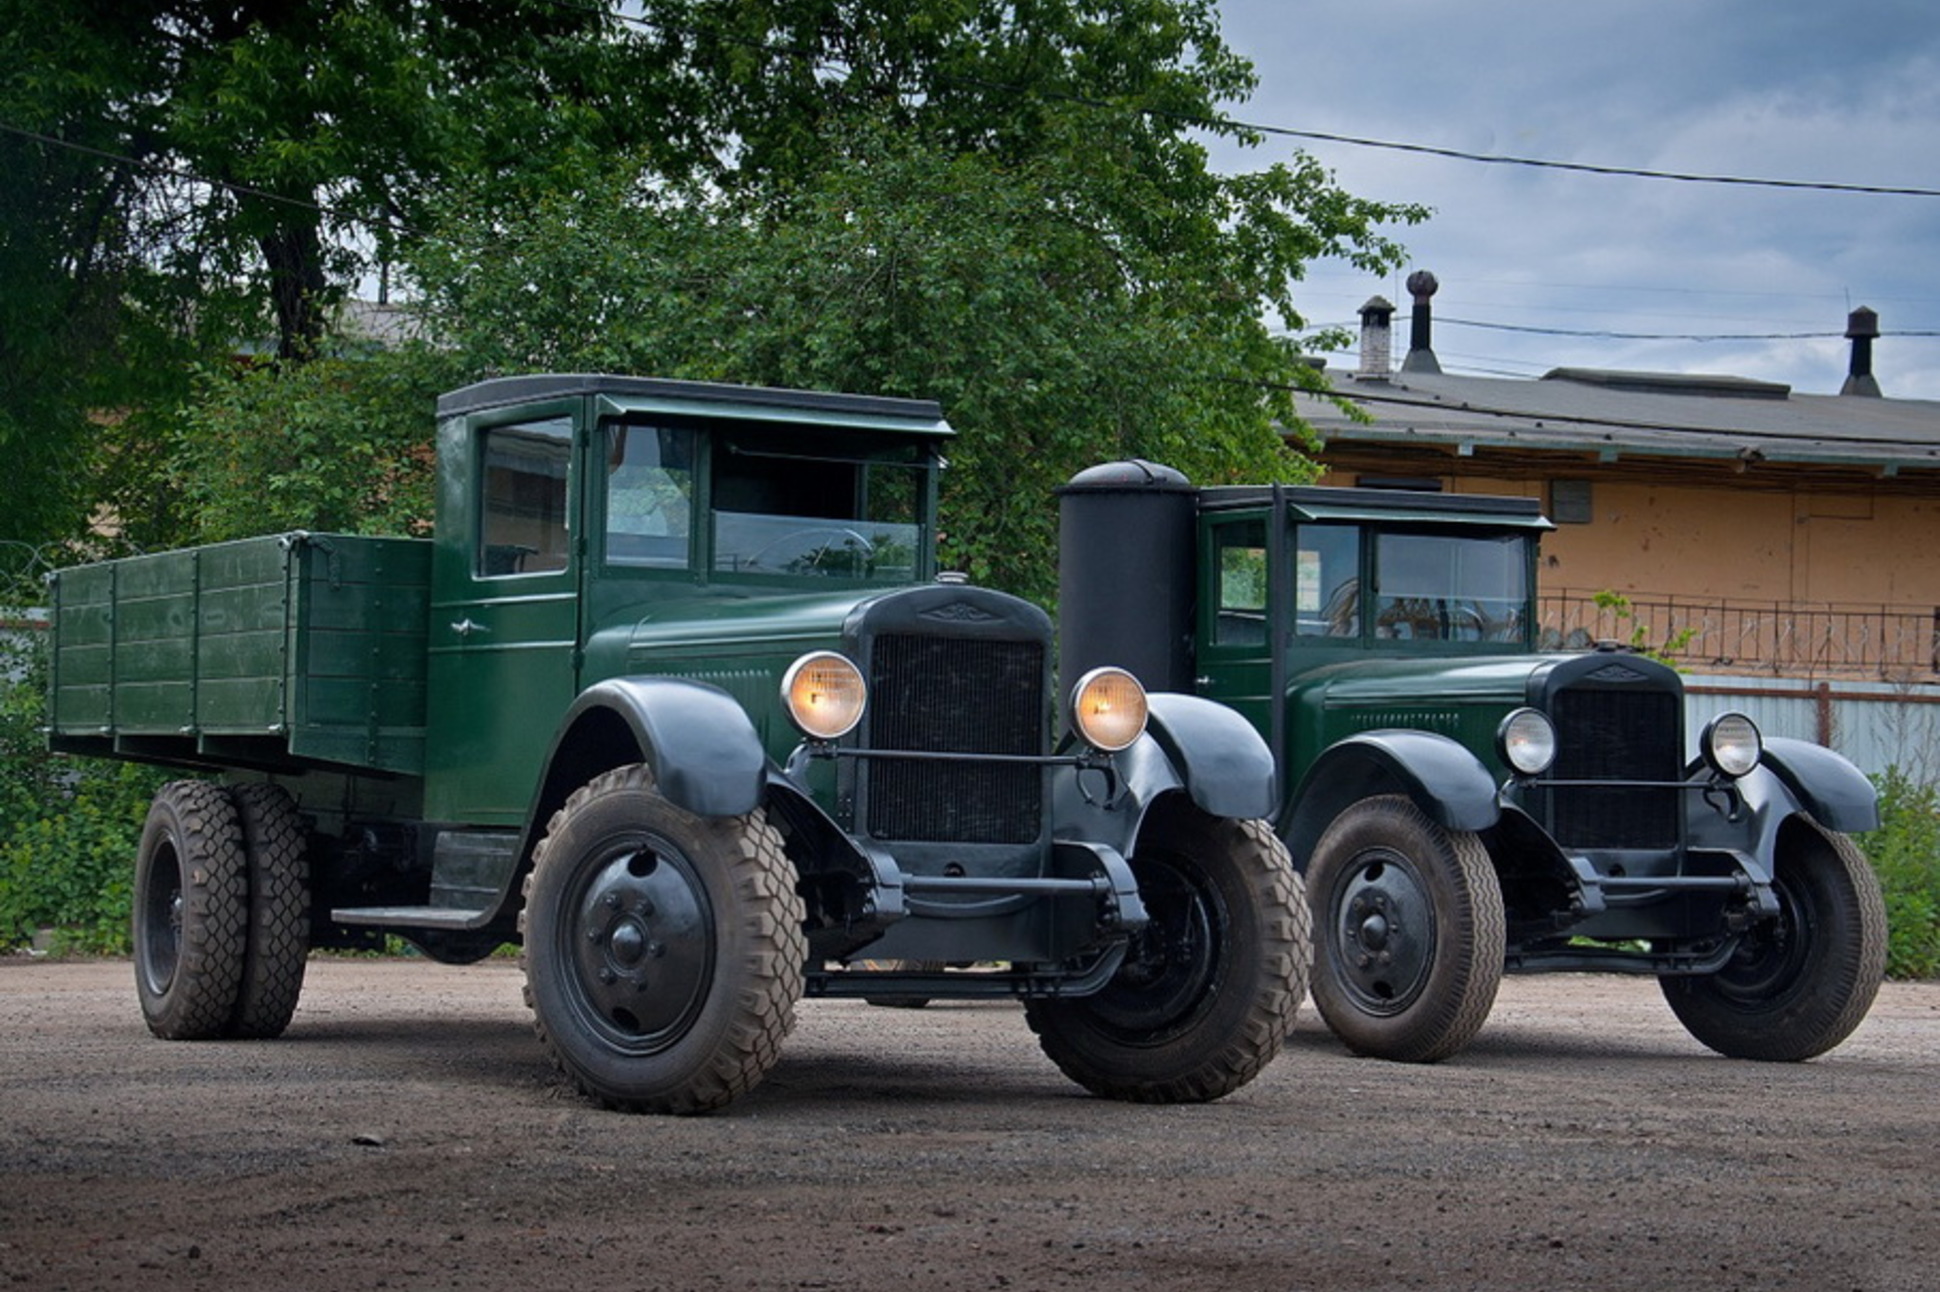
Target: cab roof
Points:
(621, 395)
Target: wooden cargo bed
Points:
(280, 653)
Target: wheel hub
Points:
(1384, 926)
(645, 948)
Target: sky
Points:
(1843, 93)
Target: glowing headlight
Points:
(1108, 708)
(824, 694)
(1731, 744)
(1526, 741)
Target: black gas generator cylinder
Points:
(1127, 532)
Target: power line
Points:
(1288, 132)
(1668, 336)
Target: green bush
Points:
(1905, 851)
(68, 827)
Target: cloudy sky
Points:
(1842, 93)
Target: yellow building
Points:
(1782, 532)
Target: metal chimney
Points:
(1862, 326)
(1421, 350)
(1377, 340)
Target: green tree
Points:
(184, 177)
(1003, 206)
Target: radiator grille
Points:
(1619, 735)
(951, 695)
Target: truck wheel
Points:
(1410, 932)
(1798, 984)
(277, 947)
(1207, 992)
(191, 912)
(663, 951)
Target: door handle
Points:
(465, 627)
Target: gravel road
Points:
(407, 1133)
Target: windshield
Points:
(819, 506)
(1443, 588)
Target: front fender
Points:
(1836, 793)
(704, 751)
(1220, 758)
(1191, 746)
(1438, 774)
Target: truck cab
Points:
(1463, 802)
(676, 699)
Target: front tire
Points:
(1798, 984)
(663, 951)
(1410, 932)
(191, 912)
(1208, 990)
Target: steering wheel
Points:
(807, 557)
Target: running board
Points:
(413, 917)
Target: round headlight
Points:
(1731, 744)
(1108, 709)
(824, 694)
(1526, 741)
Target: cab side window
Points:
(522, 504)
(1240, 575)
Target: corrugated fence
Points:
(1876, 724)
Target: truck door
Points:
(505, 610)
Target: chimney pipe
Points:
(1862, 326)
(1377, 340)
(1421, 350)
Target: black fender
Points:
(1192, 747)
(1438, 774)
(1221, 760)
(1836, 794)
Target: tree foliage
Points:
(1004, 206)
(186, 179)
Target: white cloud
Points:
(1845, 93)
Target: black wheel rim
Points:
(1171, 965)
(1770, 958)
(637, 958)
(161, 920)
(1381, 921)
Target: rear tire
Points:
(191, 912)
(1410, 932)
(663, 951)
(1207, 993)
(277, 948)
(1799, 984)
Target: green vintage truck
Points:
(1461, 803)
(677, 699)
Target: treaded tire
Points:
(1409, 932)
(277, 948)
(190, 912)
(1799, 984)
(663, 951)
(1207, 994)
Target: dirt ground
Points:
(406, 1133)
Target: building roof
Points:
(1625, 414)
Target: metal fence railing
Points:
(1803, 639)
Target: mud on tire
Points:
(190, 912)
(277, 945)
(663, 951)
(1409, 932)
(1208, 991)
